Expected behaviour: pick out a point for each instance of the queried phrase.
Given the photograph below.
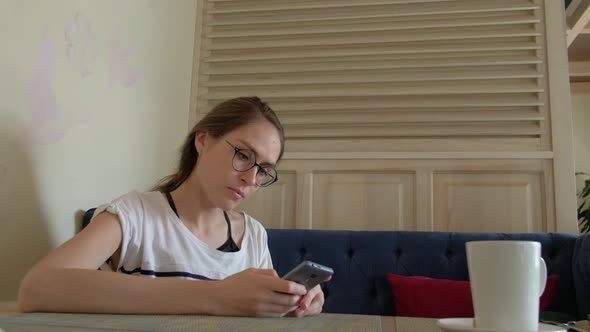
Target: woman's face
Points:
(225, 187)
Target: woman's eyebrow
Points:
(250, 147)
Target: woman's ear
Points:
(201, 141)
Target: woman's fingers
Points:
(268, 272)
(283, 299)
(311, 304)
(273, 310)
(272, 281)
(315, 308)
(285, 286)
(310, 296)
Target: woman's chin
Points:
(228, 205)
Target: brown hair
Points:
(222, 119)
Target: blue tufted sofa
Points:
(361, 260)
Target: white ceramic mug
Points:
(507, 279)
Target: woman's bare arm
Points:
(67, 280)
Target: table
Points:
(12, 320)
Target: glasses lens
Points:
(243, 160)
(266, 176)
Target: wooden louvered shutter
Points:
(388, 79)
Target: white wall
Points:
(94, 102)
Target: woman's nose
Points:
(249, 176)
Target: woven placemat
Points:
(108, 322)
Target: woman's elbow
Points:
(27, 299)
(25, 307)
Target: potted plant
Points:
(584, 204)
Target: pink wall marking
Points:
(80, 44)
(47, 119)
(121, 72)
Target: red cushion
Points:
(442, 298)
(549, 292)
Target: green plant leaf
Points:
(584, 205)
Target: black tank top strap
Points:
(229, 245)
(228, 224)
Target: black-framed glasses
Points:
(244, 159)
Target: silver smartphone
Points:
(309, 274)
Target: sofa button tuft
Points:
(302, 252)
(373, 292)
(350, 253)
(449, 254)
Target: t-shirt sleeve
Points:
(265, 258)
(260, 257)
(130, 212)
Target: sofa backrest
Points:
(361, 260)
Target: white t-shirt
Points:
(157, 244)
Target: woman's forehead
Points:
(260, 136)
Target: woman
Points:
(182, 233)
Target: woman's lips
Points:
(237, 194)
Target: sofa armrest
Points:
(581, 272)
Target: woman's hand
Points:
(256, 292)
(310, 304)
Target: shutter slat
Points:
(386, 23)
(254, 6)
(368, 89)
(359, 38)
(372, 49)
(392, 25)
(373, 76)
(387, 116)
(405, 64)
(409, 102)
(374, 11)
(354, 59)
(417, 130)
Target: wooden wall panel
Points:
(363, 201)
(497, 202)
(493, 195)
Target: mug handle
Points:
(543, 275)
